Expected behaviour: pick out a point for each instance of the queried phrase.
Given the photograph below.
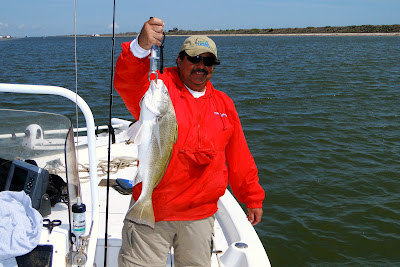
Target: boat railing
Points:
(91, 140)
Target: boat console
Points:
(27, 177)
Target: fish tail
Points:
(142, 213)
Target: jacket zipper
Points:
(199, 120)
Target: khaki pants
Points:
(144, 246)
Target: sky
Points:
(56, 17)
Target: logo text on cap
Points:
(203, 43)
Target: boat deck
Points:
(118, 205)
(225, 242)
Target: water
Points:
(321, 117)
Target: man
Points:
(211, 151)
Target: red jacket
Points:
(211, 149)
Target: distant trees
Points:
(395, 28)
(174, 30)
(327, 29)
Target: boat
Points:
(44, 145)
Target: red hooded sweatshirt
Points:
(211, 149)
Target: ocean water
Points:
(321, 117)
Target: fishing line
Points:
(76, 80)
(110, 136)
(78, 188)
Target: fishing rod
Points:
(110, 136)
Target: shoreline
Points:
(259, 34)
(354, 30)
(322, 34)
(312, 34)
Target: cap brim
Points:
(198, 51)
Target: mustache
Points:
(200, 70)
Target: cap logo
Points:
(203, 43)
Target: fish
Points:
(155, 133)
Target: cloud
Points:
(22, 26)
(111, 26)
(3, 25)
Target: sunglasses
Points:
(207, 61)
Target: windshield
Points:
(26, 134)
(42, 139)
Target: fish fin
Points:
(135, 132)
(137, 179)
(124, 135)
(142, 213)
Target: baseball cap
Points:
(198, 44)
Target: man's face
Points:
(195, 76)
